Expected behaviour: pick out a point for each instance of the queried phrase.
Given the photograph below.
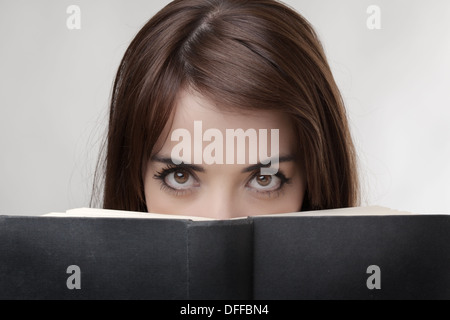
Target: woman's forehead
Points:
(203, 123)
(191, 107)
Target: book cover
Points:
(355, 253)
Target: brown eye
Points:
(264, 181)
(181, 177)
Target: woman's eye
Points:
(265, 183)
(180, 179)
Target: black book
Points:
(354, 253)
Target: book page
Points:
(354, 211)
(105, 213)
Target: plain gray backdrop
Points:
(55, 86)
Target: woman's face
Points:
(215, 184)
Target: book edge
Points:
(351, 211)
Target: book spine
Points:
(220, 259)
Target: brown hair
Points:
(251, 54)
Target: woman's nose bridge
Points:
(222, 203)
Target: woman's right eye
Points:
(180, 180)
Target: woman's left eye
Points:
(265, 183)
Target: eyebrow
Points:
(181, 165)
(197, 168)
(271, 161)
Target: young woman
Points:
(219, 65)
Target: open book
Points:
(352, 253)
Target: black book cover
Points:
(263, 258)
(327, 257)
(123, 258)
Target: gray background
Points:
(55, 85)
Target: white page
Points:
(105, 213)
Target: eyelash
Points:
(161, 175)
